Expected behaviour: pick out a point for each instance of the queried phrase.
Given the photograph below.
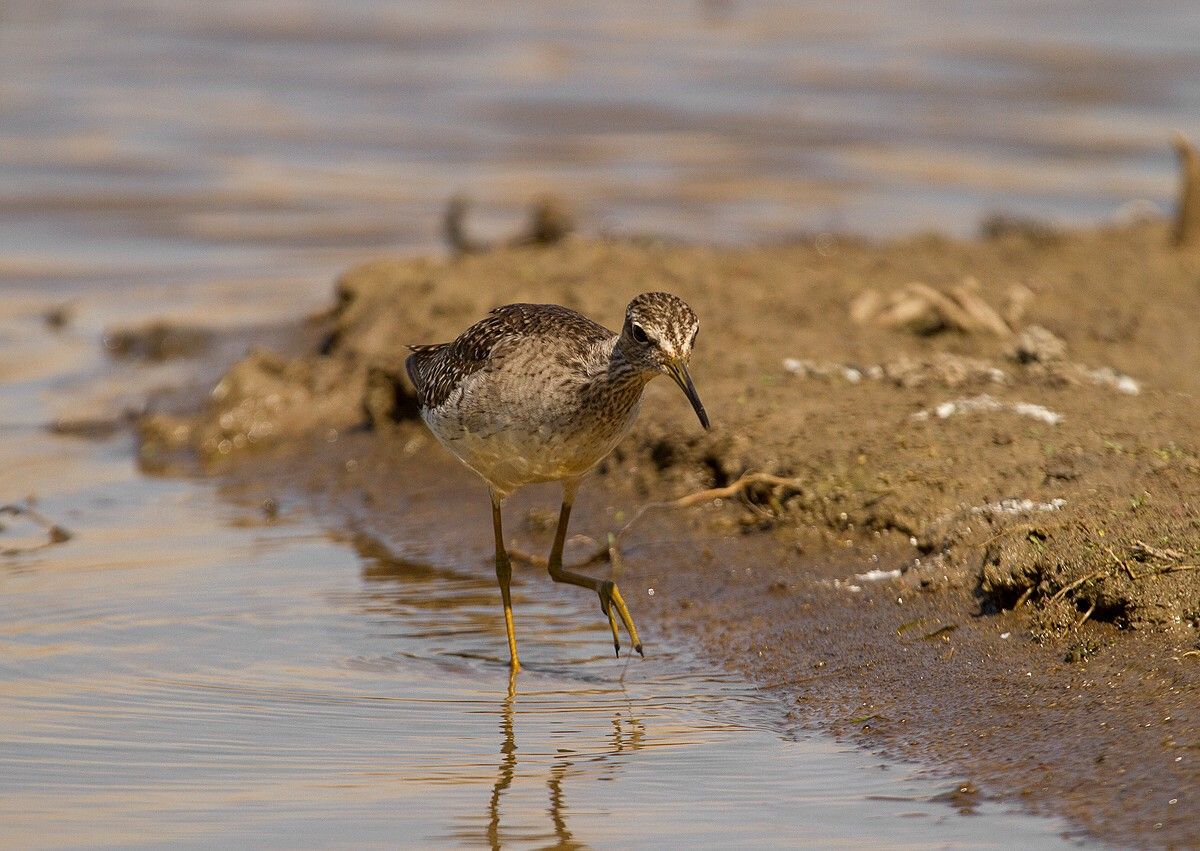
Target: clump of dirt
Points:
(550, 220)
(1037, 345)
(1014, 451)
(263, 399)
(157, 341)
(997, 226)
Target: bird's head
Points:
(658, 336)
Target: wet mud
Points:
(959, 479)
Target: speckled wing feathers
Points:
(437, 370)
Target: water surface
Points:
(138, 131)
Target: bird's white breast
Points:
(515, 450)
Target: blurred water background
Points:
(140, 134)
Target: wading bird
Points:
(540, 393)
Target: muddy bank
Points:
(985, 481)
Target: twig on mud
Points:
(1025, 595)
(1121, 563)
(942, 632)
(614, 553)
(733, 489)
(1168, 568)
(1086, 615)
(1142, 550)
(610, 548)
(1071, 586)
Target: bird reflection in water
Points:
(627, 735)
(436, 601)
(508, 762)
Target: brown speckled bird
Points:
(539, 393)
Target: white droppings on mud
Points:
(877, 575)
(986, 403)
(825, 369)
(1106, 376)
(1037, 412)
(899, 371)
(1010, 507)
(829, 369)
(1018, 506)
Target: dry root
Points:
(921, 309)
(1159, 560)
(550, 221)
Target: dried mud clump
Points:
(1095, 562)
(1002, 226)
(1037, 345)
(550, 220)
(942, 369)
(157, 341)
(263, 399)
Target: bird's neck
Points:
(615, 380)
(620, 371)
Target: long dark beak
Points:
(677, 369)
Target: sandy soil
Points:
(982, 546)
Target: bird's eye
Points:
(640, 335)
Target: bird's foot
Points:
(610, 599)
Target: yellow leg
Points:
(612, 623)
(504, 577)
(626, 618)
(606, 590)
